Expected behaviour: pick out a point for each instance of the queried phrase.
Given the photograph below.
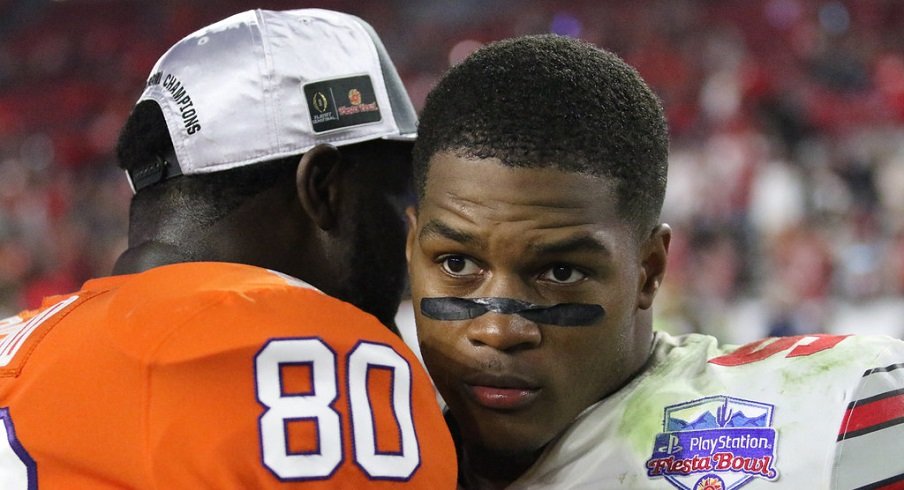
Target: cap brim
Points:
(411, 137)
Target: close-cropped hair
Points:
(205, 198)
(549, 101)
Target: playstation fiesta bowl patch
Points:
(715, 443)
(341, 102)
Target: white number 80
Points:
(316, 406)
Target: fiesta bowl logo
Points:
(357, 104)
(715, 443)
(710, 482)
(354, 96)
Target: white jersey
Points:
(820, 412)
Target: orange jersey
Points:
(213, 375)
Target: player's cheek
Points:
(439, 345)
(431, 339)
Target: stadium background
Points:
(786, 192)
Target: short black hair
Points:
(205, 197)
(555, 102)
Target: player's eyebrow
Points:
(578, 243)
(436, 228)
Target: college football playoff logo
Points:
(319, 102)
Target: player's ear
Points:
(411, 217)
(654, 258)
(317, 184)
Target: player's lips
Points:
(501, 392)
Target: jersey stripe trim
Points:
(867, 430)
(873, 413)
(885, 369)
(866, 460)
(875, 398)
(877, 382)
(893, 483)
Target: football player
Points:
(536, 252)
(239, 344)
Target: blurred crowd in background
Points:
(786, 191)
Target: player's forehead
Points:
(481, 202)
(490, 178)
(508, 192)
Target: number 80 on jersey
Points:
(316, 406)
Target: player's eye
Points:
(459, 265)
(562, 274)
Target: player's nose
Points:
(504, 332)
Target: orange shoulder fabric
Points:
(225, 376)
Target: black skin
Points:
(337, 227)
(546, 237)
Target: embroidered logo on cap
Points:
(342, 102)
(718, 443)
(354, 96)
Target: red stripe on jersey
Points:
(874, 413)
(893, 486)
(893, 483)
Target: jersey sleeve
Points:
(871, 435)
(285, 390)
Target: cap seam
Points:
(272, 107)
(375, 53)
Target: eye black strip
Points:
(562, 314)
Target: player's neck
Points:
(148, 255)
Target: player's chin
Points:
(514, 443)
(504, 432)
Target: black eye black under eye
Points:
(455, 264)
(561, 272)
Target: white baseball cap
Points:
(264, 84)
